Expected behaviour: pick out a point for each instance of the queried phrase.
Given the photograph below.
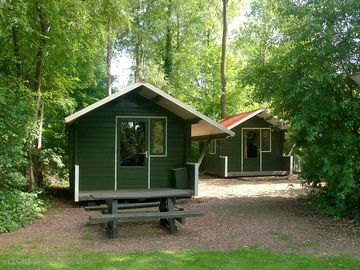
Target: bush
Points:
(18, 209)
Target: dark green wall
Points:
(231, 147)
(95, 143)
(211, 161)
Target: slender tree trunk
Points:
(223, 60)
(138, 43)
(168, 57)
(108, 61)
(137, 62)
(16, 43)
(177, 33)
(35, 173)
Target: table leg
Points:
(163, 208)
(112, 227)
(171, 221)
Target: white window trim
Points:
(166, 133)
(148, 144)
(268, 151)
(214, 150)
(261, 152)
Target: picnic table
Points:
(164, 199)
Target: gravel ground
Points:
(264, 212)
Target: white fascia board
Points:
(189, 109)
(101, 102)
(273, 120)
(246, 118)
(131, 87)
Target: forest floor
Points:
(266, 213)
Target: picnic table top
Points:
(134, 194)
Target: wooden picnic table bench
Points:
(168, 213)
(122, 206)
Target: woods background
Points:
(293, 57)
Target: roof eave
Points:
(71, 118)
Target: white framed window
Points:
(266, 140)
(212, 147)
(158, 137)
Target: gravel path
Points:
(265, 213)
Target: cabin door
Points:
(132, 153)
(251, 150)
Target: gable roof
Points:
(203, 126)
(235, 120)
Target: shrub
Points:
(18, 209)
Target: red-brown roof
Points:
(228, 121)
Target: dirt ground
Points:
(266, 212)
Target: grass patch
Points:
(249, 259)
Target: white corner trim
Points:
(196, 175)
(291, 165)
(225, 165)
(115, 165)
(76, 184)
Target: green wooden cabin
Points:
(136, 139)
(256, 149)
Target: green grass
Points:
(250, 259)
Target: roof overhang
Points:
(201, 125)
(262, 113)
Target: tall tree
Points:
(51, 48)
(304, 73)
(168, 53)
(223, 58)
(115, 16)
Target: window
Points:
(266, 140)
(132, 143)
(158, 136)
(252, 144)
(212, 147)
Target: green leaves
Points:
(301, 60)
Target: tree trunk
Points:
(35, 173)
(108, 61)
(137, 62)
(16, 43)
(223, 60)
(168, 57)
(137, 49)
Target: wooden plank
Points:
(258, 173)
(134, 194)
(171, 221)
(112, 227)
(123, 206)
(133, 216)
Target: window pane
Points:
(212, 147)
(132, 143)
(252, 143)
(157, 139)
(265, 140)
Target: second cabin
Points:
(256, 149)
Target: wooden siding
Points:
(211, 162)
(232, 148)
(95, 143)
